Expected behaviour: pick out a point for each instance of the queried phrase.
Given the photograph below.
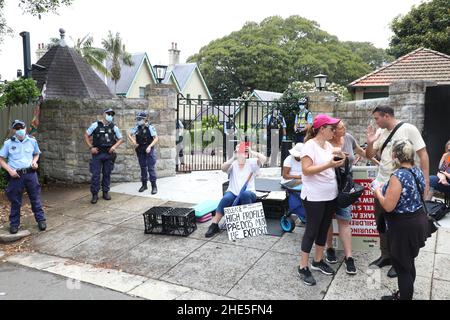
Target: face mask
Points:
(301, 107)
(140, 122)
(20, 133)
(109, 118)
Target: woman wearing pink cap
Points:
(319, 193)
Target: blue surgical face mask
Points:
(21, 133)
(301, 106)
(109, 118)
(141, 122)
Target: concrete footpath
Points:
(105, 245)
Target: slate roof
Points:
(128, 73)
(182, 72)
(420, 64)
(67, 74)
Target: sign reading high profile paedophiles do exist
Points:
(245, 221)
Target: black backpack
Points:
(437, 209)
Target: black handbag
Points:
(436, 209)
(348, 191)
(432, 223)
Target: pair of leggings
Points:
(406, 277)
(318, 216)
(384, 241)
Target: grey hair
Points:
(403, 151)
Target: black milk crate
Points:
(179, 221)
(170, 221)
(153, 220)
(275, 209)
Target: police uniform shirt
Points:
(133, 131)
(20, 153)
(309, 117)
(94, 126)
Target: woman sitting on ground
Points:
(244, 162)
(441, 181)
(406, 221)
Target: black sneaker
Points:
(322, 267)
(13, 229)
(306, 276)
(212, 230)
(330, 257)
(350, 265)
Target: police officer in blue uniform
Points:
(19, 156)
(103, 138)
(144, 138)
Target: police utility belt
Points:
(25, 171)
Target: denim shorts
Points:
(344, 213)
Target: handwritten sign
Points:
(245, 221)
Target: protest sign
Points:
(245, 221)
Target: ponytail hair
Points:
(311, 133)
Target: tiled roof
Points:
(420, 64)
(67, 74)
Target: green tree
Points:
(116, 53)
(266, 55)
(427, 25)
(20, 91)
(94, 56)
(374, 57)
(32, 7)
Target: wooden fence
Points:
(23, 112)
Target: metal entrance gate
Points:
(208, 131)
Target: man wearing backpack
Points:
(303, 120)
(103, 138)
(380, 142)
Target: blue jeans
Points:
(434, 183)
(247, 197)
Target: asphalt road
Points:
(21, 283)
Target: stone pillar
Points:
(163, 102)
(322, 102)
(407, 98)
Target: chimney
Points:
(40, 51)
(174, 55)
(26, 53)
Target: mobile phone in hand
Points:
(337, 159)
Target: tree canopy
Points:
(271, 54)
(427, 25)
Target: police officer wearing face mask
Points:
(22, 153)
(103, 138)
(303, 120)
(144, 138)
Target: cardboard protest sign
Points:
(245, 221)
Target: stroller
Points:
(296, 207)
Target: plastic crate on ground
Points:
(170, 221)
(179, 221)
(153, 220)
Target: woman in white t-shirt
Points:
(319, 193)
(239, 168)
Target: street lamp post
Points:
(320, 81)
(160, 71)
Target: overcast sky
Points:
(151, 26)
